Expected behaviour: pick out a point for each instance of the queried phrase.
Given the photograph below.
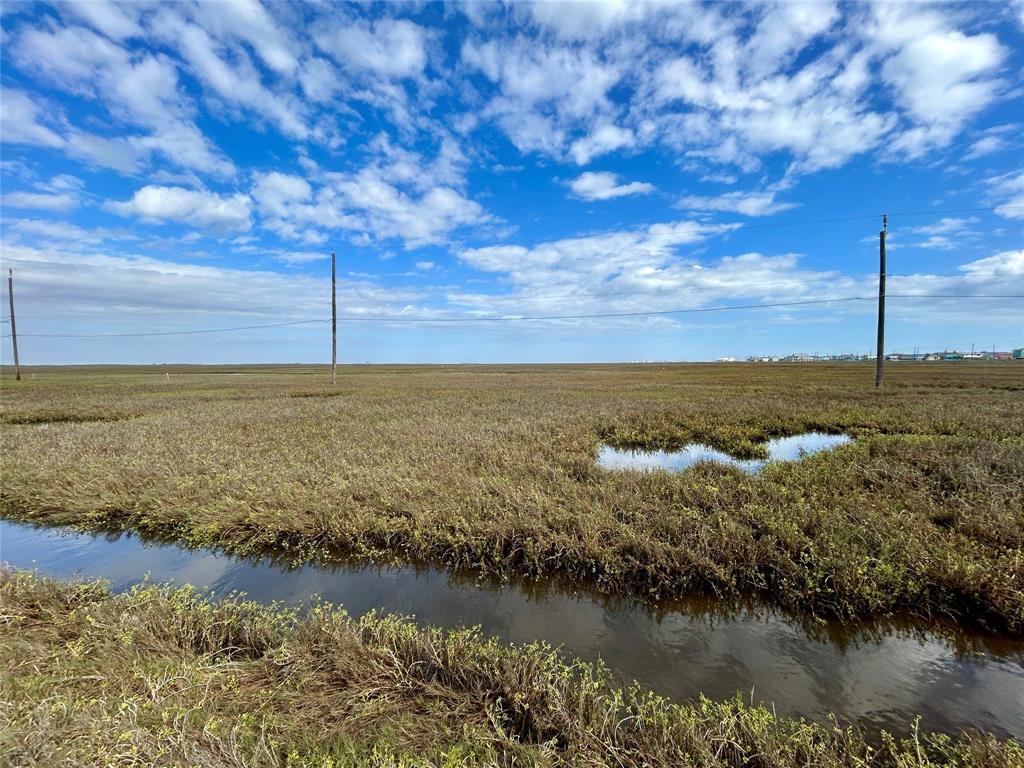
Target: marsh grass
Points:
(161, 676)
(492, 469)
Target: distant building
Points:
(1018, 354)
(1002, 355)
(952, 356)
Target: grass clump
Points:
(163, 676)
(493, 469)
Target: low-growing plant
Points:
(160, 676)
(493, 469)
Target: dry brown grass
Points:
(492, 468)
(164, 677)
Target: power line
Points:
(163, 333)
(596, 315)
(861, 217)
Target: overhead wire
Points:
(525, 318)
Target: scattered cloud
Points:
(602, 140)
(389, 48)
(195, 208)
(277, 130)
(747, 203)
(995, 139)
(603, 185)
(1008, 190)
(40, 201)
(21, 123)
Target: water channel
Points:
(878, 674)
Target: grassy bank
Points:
(160, 676)
(493, 468)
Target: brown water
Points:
(878, 674)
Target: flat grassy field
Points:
(164, 677)
(493, 468)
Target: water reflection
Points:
(780, 449)
(875, 673)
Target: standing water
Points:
(780, 449)
(878, 674)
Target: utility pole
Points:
(14, 328)
(334, 321)
(880, 349)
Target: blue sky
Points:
(171, 167)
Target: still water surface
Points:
(781, 449)
(877, 674)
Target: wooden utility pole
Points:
(334, 321)
(14, 327)
(880, 349)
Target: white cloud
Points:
(123, 154)
(115, 20)
(604, 186)
(276, 193)
(147, 290)
(390, 48)
(389, 212)
(946, 225)
(644, 259)
(1007, 264)
(228, 72)
(995, 139)
(545, 91)
(425, 265)
(1001, 274)
(585, 21)
(41, 201)
(1008, 190)
(141, 90)
(747, 203)
(602, 140)
(399, 194)
(20, 121)
(199, 209)
(250, 21)
(943, 76)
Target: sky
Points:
(520, 182)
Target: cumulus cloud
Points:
(604, 269)
(605, 186)
(399, 195)
(602, 140)
(199, 209)
(943, 76)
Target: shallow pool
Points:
(780, 449)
